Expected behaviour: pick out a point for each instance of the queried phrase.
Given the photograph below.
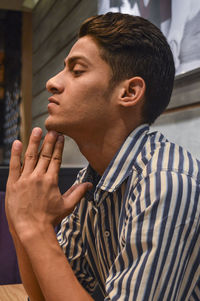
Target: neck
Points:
(100, 142)
(100, 150)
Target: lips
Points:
(53, 100)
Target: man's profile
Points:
(130, 223)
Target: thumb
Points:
(73, 196)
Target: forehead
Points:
(86, 48)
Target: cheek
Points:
(92, 86)
(94, 96)
(84, 96)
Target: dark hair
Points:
(133, 46)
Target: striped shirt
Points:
(137, 233)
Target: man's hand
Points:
(33, 199)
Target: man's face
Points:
(81, 100)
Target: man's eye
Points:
(77, 72)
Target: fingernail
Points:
(60, 138)
(17, 145)
(53, 133)
(37, 132)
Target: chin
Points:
(51, 126)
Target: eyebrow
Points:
(70, 61)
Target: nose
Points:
(54, 85)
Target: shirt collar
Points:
(121, 165)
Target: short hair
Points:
(133, 46)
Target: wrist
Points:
(33, 231)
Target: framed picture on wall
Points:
(179, 20)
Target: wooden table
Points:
(14, 292)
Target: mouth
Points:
(53, 100)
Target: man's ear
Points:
(132, 92)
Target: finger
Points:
(69, 191)
(46, 152)
(56, 159)
(15, 161)
(74, 186)
(31, 155)
(75, 196)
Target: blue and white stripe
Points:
(137, 234)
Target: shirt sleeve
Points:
(158, 255)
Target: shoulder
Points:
(161, 155)
(163, 173)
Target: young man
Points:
(131, 222)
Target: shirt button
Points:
(107, 233)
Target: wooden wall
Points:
(55, 27)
